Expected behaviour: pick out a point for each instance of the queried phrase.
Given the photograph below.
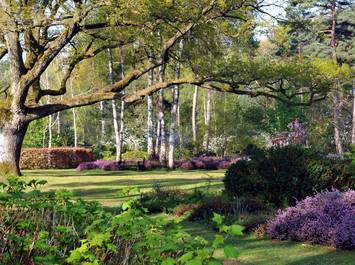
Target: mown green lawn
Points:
(104, 186)
(255, 251)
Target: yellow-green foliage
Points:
(333, 70)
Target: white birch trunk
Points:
(208, 120)
(114, 108)
(74, 117)
(122, 123)
(193, 118)
(103, 123)
(75, 128)
(174, 110)
(353, 120)
(150, 123)
(50, 117)
(162, 134)
(50, 122)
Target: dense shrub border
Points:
(58, 157)
(284, 175)
(327, 218)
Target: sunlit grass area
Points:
(105, 186)
(255, 251)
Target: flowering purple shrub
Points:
(207, 162)
(203, 162)
(327, 218)
(86, 166)
(100, 164)
(152, 164)
(187, 165)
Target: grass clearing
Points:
(103, 186)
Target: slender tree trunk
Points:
(75, 128)
(180, 137)
(174, 110)
(194, 114)
(353, 120)
(161, 133)
(58, 124)
(114, 108)
(50, 125)
(336, 94)
(122, 123)
(50, 117)
(158, 124)
(161, 119)
(150, 123)
(103, 123)
(208, 120)
(74, 117)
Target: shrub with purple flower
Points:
(327, 218)
(100, 164)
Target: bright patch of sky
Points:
(272, 10)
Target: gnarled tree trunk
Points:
(11, 138)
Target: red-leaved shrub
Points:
(327, 218)
(47, 158)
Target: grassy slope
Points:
(103, 186)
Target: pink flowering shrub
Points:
(327, 218)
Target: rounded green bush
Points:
(242, 179)
(282, 176)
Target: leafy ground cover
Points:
(105, 187)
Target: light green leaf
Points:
(230, 251)
(168, 261)
(195, 261)
(235, 230)
(217, 218)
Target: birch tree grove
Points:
(36, 34)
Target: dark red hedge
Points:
(58, 157)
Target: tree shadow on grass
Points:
(333, 257)
(113, 193)
(120, 173)
(143, 183)
(272, 252)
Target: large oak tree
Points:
(36, 33)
